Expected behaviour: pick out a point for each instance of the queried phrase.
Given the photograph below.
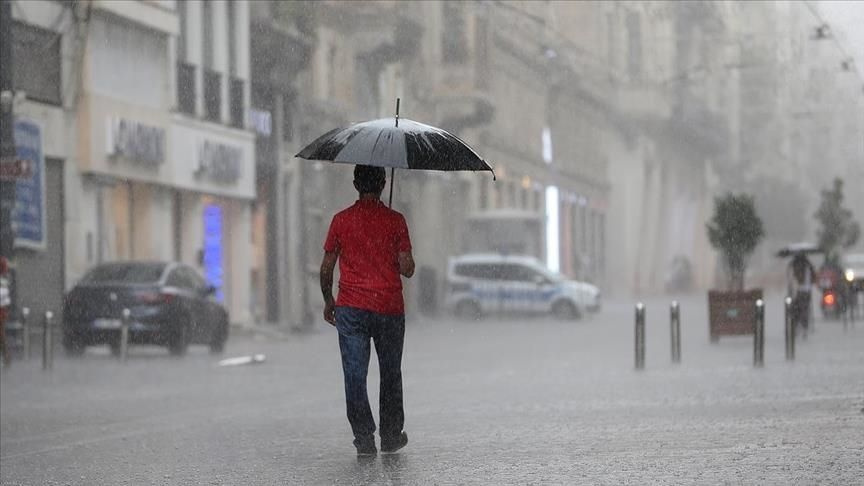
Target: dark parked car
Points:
(170, 304)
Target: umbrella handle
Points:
(392, 180)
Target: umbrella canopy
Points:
(397, 143)
(802, 248)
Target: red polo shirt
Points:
(368, 238)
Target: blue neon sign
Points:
(213, 248)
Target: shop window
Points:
(634, 44)
(288, 106)
(237, 106)
(454, 41)
(37, 62)
(482, 52)
(212, 95)
(186, 88)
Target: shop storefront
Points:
(158, 188)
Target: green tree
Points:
(838, 228)
(735, 230)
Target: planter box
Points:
(732, 312)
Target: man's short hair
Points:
(369, 179)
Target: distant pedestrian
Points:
(800, 277)
(372, 246)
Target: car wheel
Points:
(72, 346)
(178, 343)
(565, 310)
(468, 309)
(217, 340)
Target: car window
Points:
(181, 279)
(132, 273)
(474, 270)
(515, 272)
(192, 275)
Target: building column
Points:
(192, 237)
(241, 46)
(238, 281)
(221, 45)
(195, 49)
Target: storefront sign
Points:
(219, 162)
(136, 142)
(28, 217)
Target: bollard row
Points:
(675, 333)
(789, 325)
(48, 341)
(759, 335)
(48, 337)
(124, 335)
(640, 336)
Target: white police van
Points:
(480, 284)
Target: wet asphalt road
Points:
(515, 401)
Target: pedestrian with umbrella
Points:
(372, 246)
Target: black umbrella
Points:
(395, 143)
(802, 248)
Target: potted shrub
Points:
(735, 230)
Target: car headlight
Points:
(850, 275)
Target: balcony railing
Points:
(212, 96)
(237, 103)
(186, 88)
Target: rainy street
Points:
(500, 401)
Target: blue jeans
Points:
(356, 327)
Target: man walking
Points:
(372, 246)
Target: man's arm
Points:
(406, 264)
(327, 266)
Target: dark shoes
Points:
(366, 446)
(393, 444)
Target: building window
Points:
(207, 33)
(186, 88)
(611, 40)
(181, 38)
(546, 137)
(601, 248)
(237, 107)
(454, 41)
(634, 44)
(331, 72)
(481, 36)
(37, 62)
(288, 106)
(232, 38)
(212, 95)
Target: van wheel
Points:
(565, 310)
(468, 310)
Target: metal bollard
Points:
(759, 335)
(790, 330)
(675, 325)
(124, 335)
(640, 336)
(47, 341)
(25, 332)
